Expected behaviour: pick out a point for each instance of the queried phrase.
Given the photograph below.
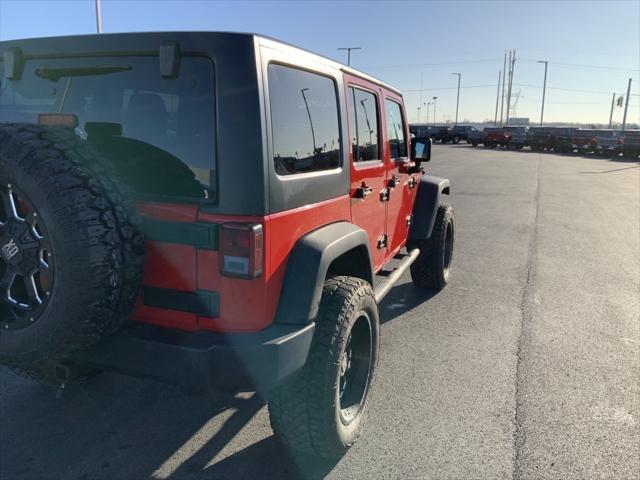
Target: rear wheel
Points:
(456, 139)
(321, 409)
(431, 270)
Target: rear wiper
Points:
(55, 74)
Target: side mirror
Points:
(421, 149)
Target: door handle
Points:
(363, 191)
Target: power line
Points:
(595, 67)
(411, 65)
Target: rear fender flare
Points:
(311, 261)
(425, 208)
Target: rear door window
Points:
(395, 129)
(304, 121)
(159, 133)
(363, 125)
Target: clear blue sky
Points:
(402, 40)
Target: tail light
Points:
(241, 250)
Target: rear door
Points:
(368, 169)
(400, 186)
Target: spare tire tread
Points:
(81, 183)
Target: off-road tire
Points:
(431, 270)
(304, 410)
(474, 144)
(90, 216)
(456, 140)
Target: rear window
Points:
(395, 129)
(158, 132)
(363, 125)
(304, 121)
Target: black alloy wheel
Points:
(26, 260)
(355, 369)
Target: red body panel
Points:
(369, 213)
(245, 305)
(400, 205)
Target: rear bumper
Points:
(205, 360)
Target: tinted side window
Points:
(363, 123)
(395, 129)
(304, 119)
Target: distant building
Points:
(519, 121)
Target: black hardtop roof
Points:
(122, 43)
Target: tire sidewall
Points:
(347, 434)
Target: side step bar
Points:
(383, 288)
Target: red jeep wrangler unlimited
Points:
(215, 210)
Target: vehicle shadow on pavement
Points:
(115, 426)
(401, 299)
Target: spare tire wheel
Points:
(71, 251)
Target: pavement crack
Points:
(524, 339)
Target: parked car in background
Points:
(496, 137)
(539, 138)
(437, 133)
(518, 137)
(607, 142)
(630, 144)
(563, 139)
(461, 132)
(476, 137)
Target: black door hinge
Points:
(385, 194)
(394, 181)
(412, 182)
(382, 241)
(409, 220)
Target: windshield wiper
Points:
(56, 73)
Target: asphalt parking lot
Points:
(525, 367)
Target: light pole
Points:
(626, 107)
(504, 74)
(458, 99)
(495, 120)
(544, 87)
(434, 109)
(613, 101)
(98, 17)
(428, 104)
(313, 134)
(348, 49)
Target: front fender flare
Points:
(428, 198)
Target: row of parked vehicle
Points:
(557, 139)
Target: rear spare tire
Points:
(71, 252)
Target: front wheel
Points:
(432, 268)
(456, 140)
(321, 409)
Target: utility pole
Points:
(613, 101)
(495, 121)
(434, 109)
(544, 87)
(626, 106)
(512, 62)
(458, 99)
(348, 49)
(428, 105)
(98, 17)
(420, 99)
(504, 74)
